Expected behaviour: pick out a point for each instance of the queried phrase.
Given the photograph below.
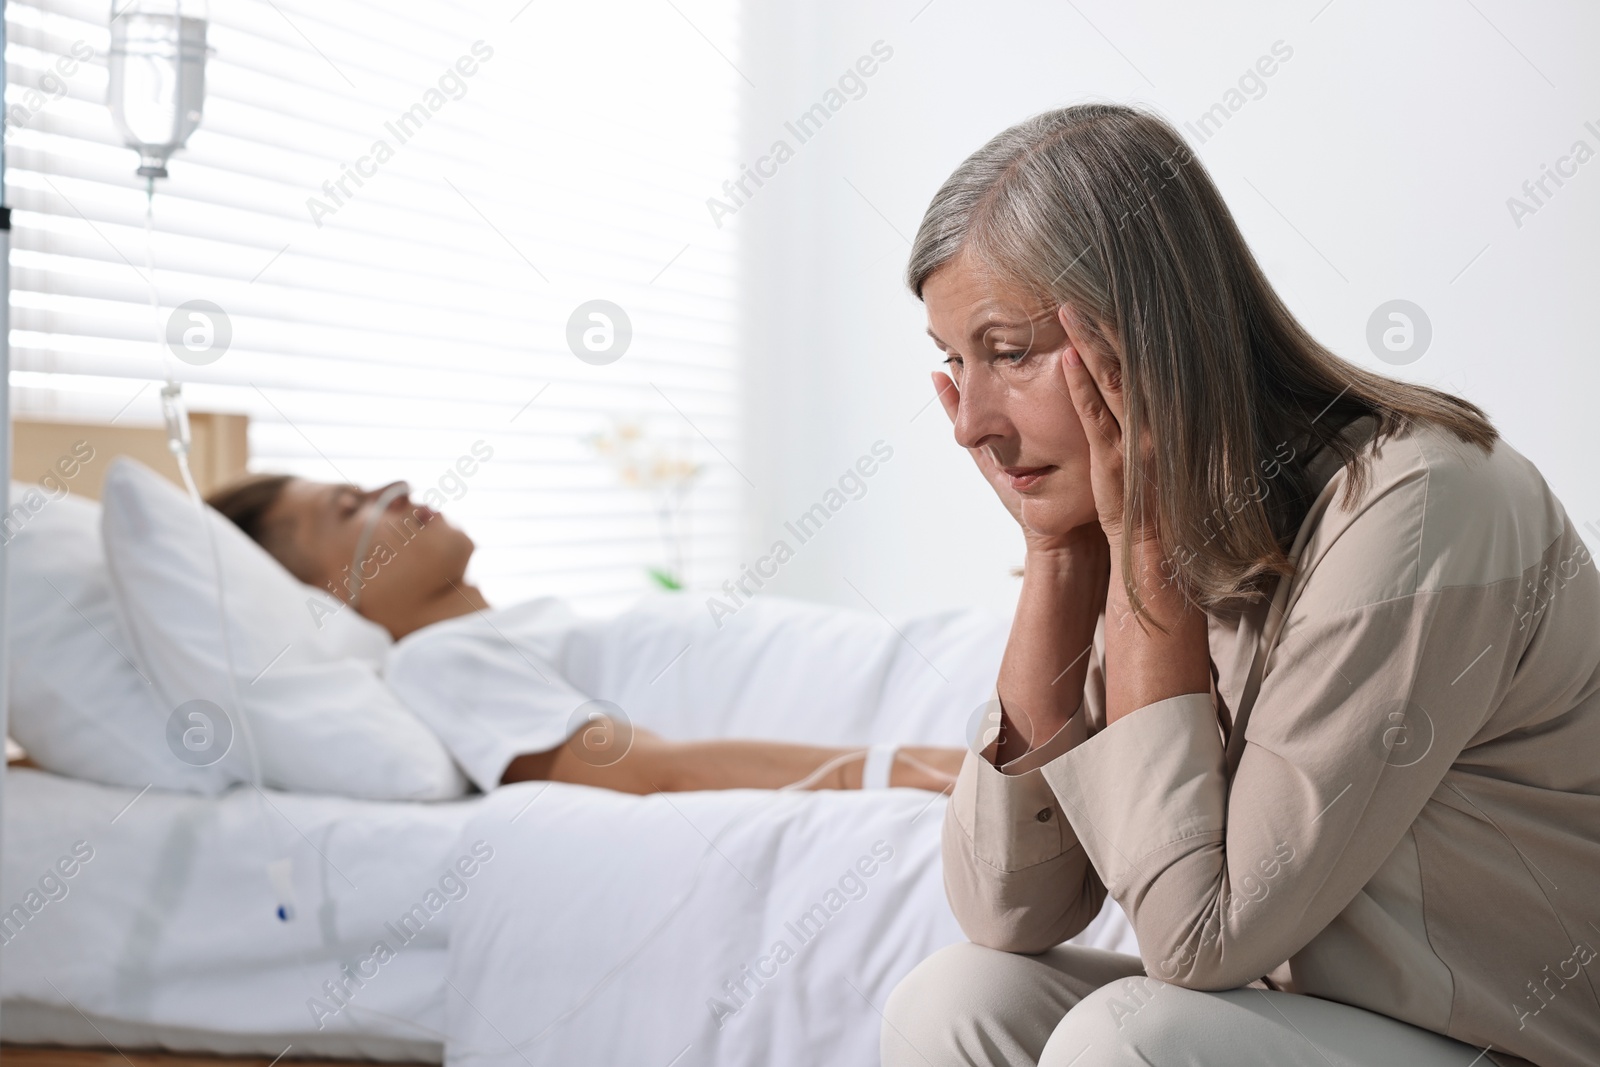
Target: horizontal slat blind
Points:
(428, 311)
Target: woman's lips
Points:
(1025, 478)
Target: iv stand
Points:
(5, 422)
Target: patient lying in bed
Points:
(403, 565)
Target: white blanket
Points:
(697, 929)
(721, 928)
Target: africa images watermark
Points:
(852, 85)
(1537, 191)
(1255, 490)
(1249, 889)
(850, 887)
(852, 485)
(1541, 994)
(347, 585)
(51, 86)
(1252, 85)
(1150, 184)
(452, 85)
(453, 885)
(52, 487)
(1534, 595)
(52, 886)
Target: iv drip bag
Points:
(157, 76)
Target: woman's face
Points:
(414, 552)
(1003, 349)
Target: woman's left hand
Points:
(1144, 665)
(1095, 382)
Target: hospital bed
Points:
(543, 923)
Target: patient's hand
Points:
(933, 769)
(631, 759)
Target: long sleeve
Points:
(1016, 878)
(1225, 878)
(1405, 817)
(1353, 731)
(1015, 875)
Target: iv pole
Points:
(5, 423)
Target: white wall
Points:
(1389, 141)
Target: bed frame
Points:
(218, 452)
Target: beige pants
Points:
(1088, 1008)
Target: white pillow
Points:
(78, 704)
(322, 719)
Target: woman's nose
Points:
(980, 414)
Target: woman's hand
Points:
(1094, 378)
(1144, 665)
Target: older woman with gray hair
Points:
(1305, 670)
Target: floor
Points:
(30, 1056)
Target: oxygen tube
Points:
(380, 509)
(175, 413)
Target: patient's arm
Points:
(653, 764)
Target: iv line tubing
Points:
(176, 414)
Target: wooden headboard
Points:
(41, 448)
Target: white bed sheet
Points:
(167, 937)
(667, 913)
(595, 906)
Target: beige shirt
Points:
(1391, 797)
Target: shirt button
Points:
(1044, 815)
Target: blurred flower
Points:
(642, 463)
(657, 467)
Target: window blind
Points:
(398, 210)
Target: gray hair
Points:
(1104, 208)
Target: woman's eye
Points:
(1010, 357)
(952, 361)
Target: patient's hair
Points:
(1104, 208)
(246, 502)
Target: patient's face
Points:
(414, 552)
(1003, 349)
